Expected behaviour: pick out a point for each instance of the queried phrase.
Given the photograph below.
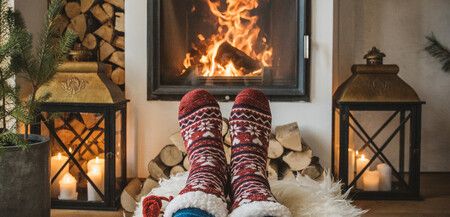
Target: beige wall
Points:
(398, 28)
(151, 122)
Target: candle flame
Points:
(59, 156)
(67, 178)
(70, 150)
(96, 159)
(363, 158)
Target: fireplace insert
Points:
(226, 45)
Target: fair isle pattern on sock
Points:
(201, 123)
(250, 122)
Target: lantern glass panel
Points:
(77, 142)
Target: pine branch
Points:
(438, 51)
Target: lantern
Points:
(85, 118)
(384, 164)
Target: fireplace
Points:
(226, 45)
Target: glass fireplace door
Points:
(226, 45)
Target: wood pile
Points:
(99, 25)
(288, 157)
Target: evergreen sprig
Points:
(38, 66)
(438, 51)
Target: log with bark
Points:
(128, 198)
(170, 155)
(105, 32)
(99, 13)
(78, 25)
(227, 53)
(289, 136)
(105, 50)
(72, 9)
(86, 5)
(90, 41)
(118, 76)
(118, 3)
(118, 58)
(120, 22)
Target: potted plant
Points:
(24, 157)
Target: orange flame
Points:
(238, 27)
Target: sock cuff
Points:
(197, 199)
(261, 209)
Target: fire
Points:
(237, 48)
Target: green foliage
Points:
(38, 66)
(439, 51)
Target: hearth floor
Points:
(435, 190)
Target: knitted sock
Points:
(250, 122)
(201, 123)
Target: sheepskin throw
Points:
(303, 196)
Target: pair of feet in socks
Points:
(200, 120)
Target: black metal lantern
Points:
(85, 118)
(385, 164)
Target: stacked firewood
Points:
(99, 25)
(288, 157)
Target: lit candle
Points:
(361, 162)
(96, 173)
(56, 162)
(68, 188)
(385, 176)
(96, 177)
(371, 180)
(351, 165)
(99, 163)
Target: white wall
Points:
(399, 28)
(33, 13)
(151, 122)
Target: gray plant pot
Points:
(24, 180)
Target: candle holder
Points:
(85, 119)
(386, 163)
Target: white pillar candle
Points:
(97, 177)
(56, 162)
(351, 165)
(98, 163)
(371, 180)
(361, 162)
(385, 176)
(68, 188)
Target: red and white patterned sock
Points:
(201, 123)
(250, 122)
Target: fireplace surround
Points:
(226, 45)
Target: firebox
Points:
(226, 45)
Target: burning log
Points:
(227, 53)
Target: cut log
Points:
(100, 14)
(148, 186)
(86, 5)
(288, 175)
(227, 153)
(227, 140)
(225, 127)
(314, 170)
(129, 195)
(272, 170)
(90, 42)
(120, 22)
(275, 149)
(170, 155)
(176, 169)
(61, 23)
(298, 160)
(227, 53)
(72, 9)
(118, 76)
(109, 9)
(119, 42)
(78, 25)
(105, 50)
(156, 169)
(118, 58)
(289, 136)
(178, 141)
(105, 32)
(117, 3)
(186, 163)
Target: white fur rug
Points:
(303, 196)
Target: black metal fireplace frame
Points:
(158, 91)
